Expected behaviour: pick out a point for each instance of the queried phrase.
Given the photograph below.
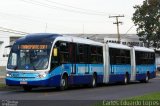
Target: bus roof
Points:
(50, 37)
(38, 37)
(118, 46)
(137, 48)
(79, 40)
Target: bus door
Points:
(86, 54)
(73, 58)
(112, 60)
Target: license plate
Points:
(23, 83)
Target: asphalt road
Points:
(105, 92)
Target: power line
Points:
(31, 19)
(117, 23)
(129, 29)
(61, 8)
(13, 30)
(61, 4)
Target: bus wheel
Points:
(126, 79)
(64, 83)
(27, 88)
(147, 78)
(94, 81)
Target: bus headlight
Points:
(8, 75)
(42, 75)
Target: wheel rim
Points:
(94, 82)
(63, 83)
(147, 78)
(125, 80)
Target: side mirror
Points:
(55, 52)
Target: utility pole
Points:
(117, 23)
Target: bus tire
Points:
(27, 88)
(64, 83)
(94, 81)
(126, 79)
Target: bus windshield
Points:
(29, 57)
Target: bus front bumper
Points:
(54, 82)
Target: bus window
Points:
(144, 58)
(81, 54)
(13, 59)
(86, 54)
(119, 56)
(64, 52)
(73, 52)
(99, 55)
(93, 54)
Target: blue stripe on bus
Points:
(81, 69)
(53, 78)
(144, 68)
(120, 69)
(55, 81)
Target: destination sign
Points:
(33, 46)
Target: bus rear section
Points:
(125, 64)
(145, 67)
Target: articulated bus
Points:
(53, 60)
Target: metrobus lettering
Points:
(33, 46)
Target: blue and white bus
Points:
(53, 60)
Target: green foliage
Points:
(147, 20)
(2, 85)
(151, 96)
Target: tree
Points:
(147, 20)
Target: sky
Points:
(68, 16)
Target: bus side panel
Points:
(55, 76)
(84, 73)
(152, 69)
(142, 71)
(99, 70)
(118, 72)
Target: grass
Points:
(150, 96)
(2, 85)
